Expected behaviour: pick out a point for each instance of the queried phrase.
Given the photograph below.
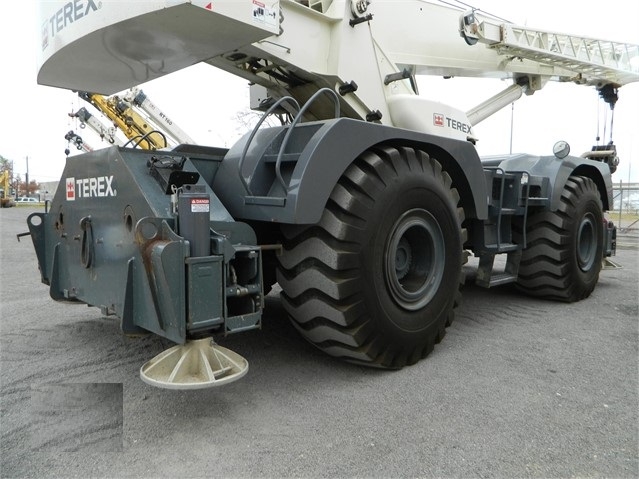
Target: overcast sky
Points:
(203, 101)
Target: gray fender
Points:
(325, 156)
(557, 171)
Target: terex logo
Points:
(70, 189)
(69, 13)
(98, 187)
(443, 120)
(458, 125)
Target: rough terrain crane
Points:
(127, 119)
(363, 205)
(135, 115)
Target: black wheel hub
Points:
(414, 259)
(586, 243)
(403, 258)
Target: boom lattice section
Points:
(601, 59)
(593, 60)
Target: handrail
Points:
(501, 173)
(525, 225)
(296, 120)
(268, 112)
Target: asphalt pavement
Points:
(519, 387)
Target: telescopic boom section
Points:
(139, 99)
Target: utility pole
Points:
(27, 177)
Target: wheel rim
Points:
(414, 259)
(586, 243)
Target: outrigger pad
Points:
(197, 364)
(610, 264)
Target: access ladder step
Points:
(285, 158)
(501, 248)
(496, 280)
(487, 277)
(264, 201)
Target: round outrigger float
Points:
(197, 364)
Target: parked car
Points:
(26, 199)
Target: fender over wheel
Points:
(564, 250)
(377, 279)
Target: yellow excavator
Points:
(5, 199)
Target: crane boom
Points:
(130, 122)
(103, 131)
(134, 114)
(295, 48)
(594, 61)
(138, 98)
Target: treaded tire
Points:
(377, 279)
(564, 250)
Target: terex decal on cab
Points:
(95, 187)
(65, 16)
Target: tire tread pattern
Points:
(545, 269)
(318, 270)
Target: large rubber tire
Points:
(564, 250)
(377, 279)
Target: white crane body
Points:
(316, 47)
(362, 205)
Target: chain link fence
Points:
(625, 212)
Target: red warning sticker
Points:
(200, 205)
